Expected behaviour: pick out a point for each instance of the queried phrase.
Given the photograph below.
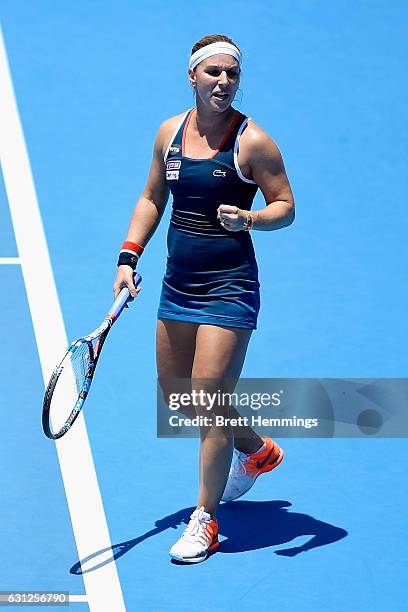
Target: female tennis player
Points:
(213, 159)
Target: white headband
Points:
(214, 49)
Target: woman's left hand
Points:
(231, 218)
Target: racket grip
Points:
(123, 298)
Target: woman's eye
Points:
(231, 74)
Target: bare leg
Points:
(175, 350)
(188, 350)
(218, 361)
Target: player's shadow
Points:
(251, 525)
(246, 525)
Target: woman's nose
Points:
(223, 77)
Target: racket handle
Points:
(123, 298)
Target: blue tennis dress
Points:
(211, 274)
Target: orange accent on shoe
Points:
(269, 459)
(213, 546)
(211, 531)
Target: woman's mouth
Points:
(221, 96)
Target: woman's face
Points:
(216, 80)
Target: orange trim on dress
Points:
(231, 127)
(185, 131)
(237, 113)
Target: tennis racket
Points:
(70, 381)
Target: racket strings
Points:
(80, 363)
(69, 384)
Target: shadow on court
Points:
(252, 525)
(246, 525)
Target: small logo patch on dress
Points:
(219, 173)
(173, 164)
(172, 175)
(174, 149)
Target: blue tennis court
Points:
(92, 83)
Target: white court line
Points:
(77, 468)
(10, 260)
(77, 598)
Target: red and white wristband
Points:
(129, 254)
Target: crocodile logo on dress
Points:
(219, 173)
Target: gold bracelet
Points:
(249, 221)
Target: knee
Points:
(169, 389)
(175, 394)
(210, 400)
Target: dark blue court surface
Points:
(93, 82)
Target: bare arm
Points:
(152, 201)
(263, 159)
(149, 207)
(268, 171)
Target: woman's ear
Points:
(192, 77)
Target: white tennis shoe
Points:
(245, 468)
(198, 540)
